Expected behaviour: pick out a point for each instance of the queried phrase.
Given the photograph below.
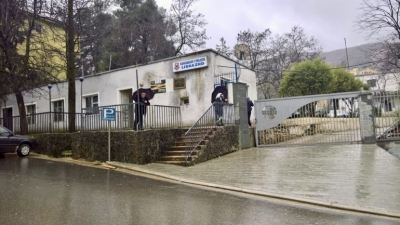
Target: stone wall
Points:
(53, 144)
(225, 140)
(126, 146)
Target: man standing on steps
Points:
(218, 106)
(140, 110)
(249, 108)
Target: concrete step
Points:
(191, 143)
(194, 138)
(183, 148)
(175, 158)
(178, 163)
(178, 153)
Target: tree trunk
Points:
(70, 53)
(23, 123)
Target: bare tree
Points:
(382, 17)
(222, 48)
(189, 26)
(26, 57)
(285, 50)
(69, 14)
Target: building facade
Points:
(185, 81)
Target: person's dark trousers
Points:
(218, 111)
(248, 117)
(138, 121)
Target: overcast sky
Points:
(327, 20)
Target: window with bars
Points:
(58, 111)
(30, 113)
(372, 82)
(92, 104)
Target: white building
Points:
(387, 87)
(384, 82)
(185, 81)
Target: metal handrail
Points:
(203, 123)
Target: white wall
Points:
(388, 82)
(199, 86)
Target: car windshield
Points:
(3, 131)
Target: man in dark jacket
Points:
(249, 108)
(140, 110)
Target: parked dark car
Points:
(10, 143)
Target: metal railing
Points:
(225, 78)
(42, 122)
(325, 121)
(151, 117)
(218, 112)
(387, 113)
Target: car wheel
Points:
(24, 150)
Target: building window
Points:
(158, 86)
(58, 110)
(179, 83)
(37, 27)
(185, 101)
(92, 104)
(372, 82)
(30, 113)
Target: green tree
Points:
(307, 78)
(344, 81)
(137, 35)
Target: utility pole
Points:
(348, 65)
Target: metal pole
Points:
(109, 65)
(50, 109)
(138, 100)
(81, 107)
(109, 140)
(345, 44)
(236, 75)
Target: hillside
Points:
(357, 55)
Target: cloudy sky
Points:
(328, 20)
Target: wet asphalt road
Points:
(37, 191)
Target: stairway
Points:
(176, 155)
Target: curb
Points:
(327, 204)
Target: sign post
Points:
(109, 115)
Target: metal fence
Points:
(217, 114)
(225, 78)
(42, 122)
(154, 116)
(334, 119)
(387, 113)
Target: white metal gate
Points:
(329, 118)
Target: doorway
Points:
(8, 118)
(126, 109)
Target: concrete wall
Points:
(108, 86)
(126, 146)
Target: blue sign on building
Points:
(109, 114)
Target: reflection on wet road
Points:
(35, 191)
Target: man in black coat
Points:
(218, 106)
(140, 110)
(249, 108)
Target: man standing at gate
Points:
(140, 110)
(249, 108)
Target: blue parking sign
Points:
(109, 114)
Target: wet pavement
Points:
(354, 176)
(37, 191)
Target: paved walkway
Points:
(357, 177)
